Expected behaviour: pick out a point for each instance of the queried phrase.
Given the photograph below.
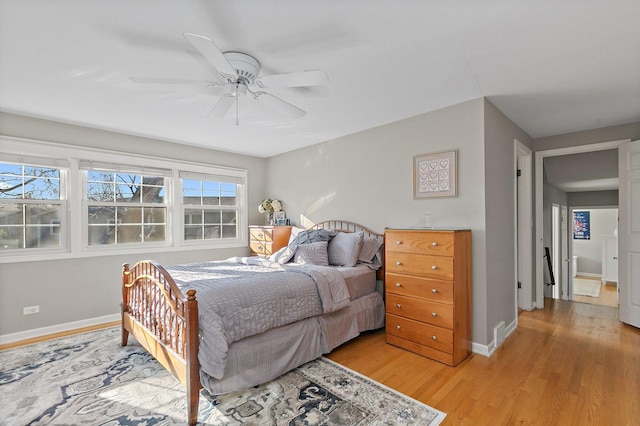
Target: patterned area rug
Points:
(89, 379)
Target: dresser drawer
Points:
(425, 288)
(434, 243)
(261, 248)
(424, 334)
(260, 234)
(437, 267)
(434, 313)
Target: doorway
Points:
(594, 250)
(539, 208)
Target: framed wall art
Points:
(435, 175)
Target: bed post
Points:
(126, 280)
(193, 365)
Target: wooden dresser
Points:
(266, 240)
(428, 292)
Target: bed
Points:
(229, 325)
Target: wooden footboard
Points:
(164, 322)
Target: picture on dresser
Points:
(277, 216)
(434, 175)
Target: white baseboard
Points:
(59, 328)
(488, 350)
(589, 274)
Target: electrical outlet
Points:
(30, 310)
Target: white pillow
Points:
(313, 253)
(344, 248)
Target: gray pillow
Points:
(370, 247)
(313, 236)
(313, 253)
(344, 248)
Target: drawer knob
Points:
(261, 235)
(398, 243)
(434, 338)
(434, 244)
(434, 267)
(398, 263)
(434, 291)
(434, 314)
(398, 285)
(398, 305)
(397, 327)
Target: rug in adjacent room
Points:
(90, 379)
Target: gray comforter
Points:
(244, 296)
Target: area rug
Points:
(89, 379)
(582, 287)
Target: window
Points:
(210, 207)
(125, 207)
(32, 209)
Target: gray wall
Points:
(499, 135)
(89, 287)
(593, 198)
(367, 178)
(604, 134)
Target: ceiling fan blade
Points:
(184, 81)
(294, 79)
(221, 107)
(279, 105)
(210, 51)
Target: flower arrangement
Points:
(269, 206)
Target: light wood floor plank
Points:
(569, 364)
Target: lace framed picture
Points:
(435, 175)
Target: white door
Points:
(629, 233)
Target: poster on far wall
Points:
(581, 226)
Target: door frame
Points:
(523, 222)
(538, 297)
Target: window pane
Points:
(192, 232)
(155, 232)
(95, 176)
(10, 214)
(212, 216)
(100, 191)
(100, 235)
(129, 215)
(211, 193)
(10, 186)
(129, 234)
(191, 192)
(42, 189)
(229, 231)
(229, 217)
(102, 215)
(229, 194)
(155, 215)
(192, 217)
(127, 194)
(41, 236)
(211, 231)
(11, 237)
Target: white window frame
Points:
(75, 237)
(34, 161)
(209, 177)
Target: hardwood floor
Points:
(569, 364)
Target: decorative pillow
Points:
(284, 255)
(313, 253)
(370, 247)
(313, 236)
(344, 248)
(294, 233)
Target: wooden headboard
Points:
(346, 226)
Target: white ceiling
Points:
(551, 66)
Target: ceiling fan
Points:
(238, 74)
